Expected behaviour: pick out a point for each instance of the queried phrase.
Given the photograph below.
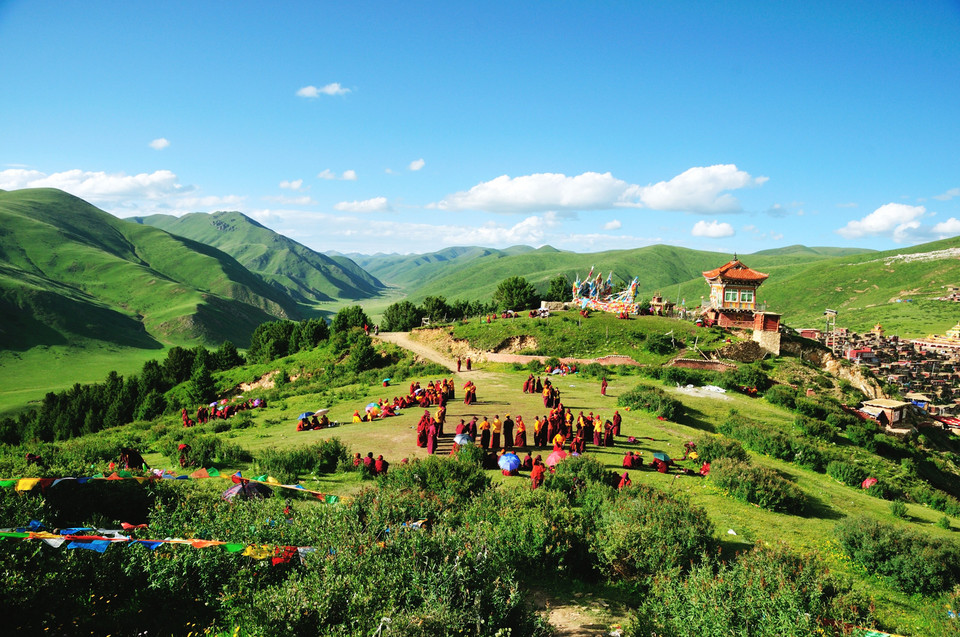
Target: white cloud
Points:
(377, 204)
(699, 189)
(159, 143)
(612, 225)
(291, 185)
(96, 186)
(947, 196)
(348, 175)
(893, 219)
(713, 229)
(333, 88)
(305, 200)
(850, 204)
(948, 228)
(776, 236)
(417, 164)
(538, 192)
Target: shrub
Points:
(782, 395)
(808, 456)
(645, 531)
(288, 465)
(660, 344)
(758, 485)
(944, 523)
(846, 472)
(767, 591)
(814, 428)
(756, 437)
(652, 399)
(899, 510)
(710, 448)
(910, 562)
(573, 475)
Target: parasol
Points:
(869, 482)
(662, 456)
(321, 412)
(462, 439)
(556, 457)
(509, 462)
(305, 414)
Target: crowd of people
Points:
(309, 423)
(376, 466)
(435, 393)
(222, 410)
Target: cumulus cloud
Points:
(377, 204)
(948, 228)
(291, 185)
(304, 200)
(713, 229)
(333, 88)
(96, 186)
(417, 164)
(537, 193)
(947, 196)
(210, 203)
(612, 225)
(896, 220)
(327, 174)
(159, 143)
(700, 189)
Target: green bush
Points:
(756, 437)
(782, 395)
(660, 344)
(908, 561)
(899, 510)
(646, 531)
(815, 428)
(710, 448)
(758, 485)
(846, 472)
(288, 465)
(767, 592)
(652, 399)
(573, 475)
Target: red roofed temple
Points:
(733, 303)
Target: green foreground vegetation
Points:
(779, 539)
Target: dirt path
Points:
(404, 340)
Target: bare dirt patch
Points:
(516, 344)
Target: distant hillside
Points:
(306, 276)
(414, 270)
(69, 272)
(863, 285)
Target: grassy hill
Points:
(863, 285)
(308, 277)
(265, 441)
(72, 272)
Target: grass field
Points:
(739, 525)
(28, 376)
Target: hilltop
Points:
(70, 272)
(306, 276)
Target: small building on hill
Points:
(888, 412)
(733, 303)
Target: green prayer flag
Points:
(332, 499)
(234, 548)
(6, 484)
(13, 534)
(213, 473)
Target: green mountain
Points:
(308, 277)
(863, 285)
(414, 270)
(71, 272)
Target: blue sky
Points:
(408, 127)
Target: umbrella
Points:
(556, 457)
(213, 404)
(509, 462)
(869, 482)
(371, 406)
(662, 456)
(305, 414)
(462, 439)
(321, 412)
(387, 380)
(247, 490)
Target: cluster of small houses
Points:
(927, 371)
